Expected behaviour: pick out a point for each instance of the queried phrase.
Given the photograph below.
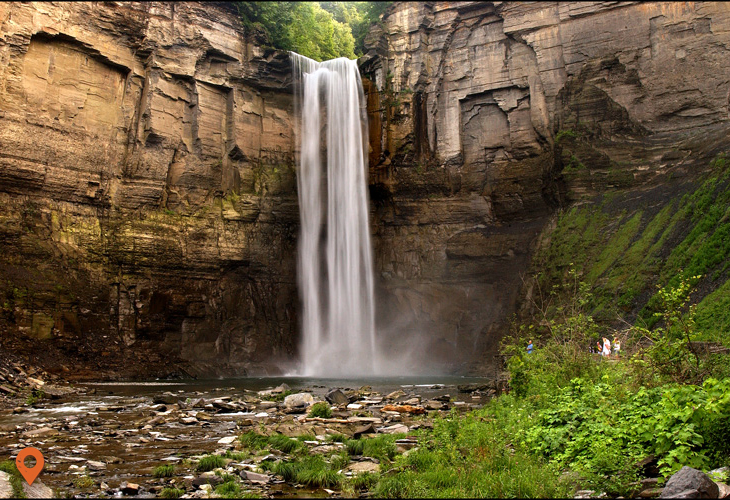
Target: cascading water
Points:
(335, 258)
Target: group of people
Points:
(604, 349)
(607, 346)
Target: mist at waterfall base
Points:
(335, 261)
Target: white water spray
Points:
(335, 258)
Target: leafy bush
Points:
(321, 409)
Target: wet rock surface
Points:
(108, 440)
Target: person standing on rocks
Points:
(606, 348)
(616, 347)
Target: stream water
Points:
(119, 432)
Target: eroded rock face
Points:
(147, 192)
(495, 114)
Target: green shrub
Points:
(210, 462)
(253, 440)
(171, 492)
(355, 446)
(321, 410)
(283, 443)
(229, 489)
(164, 471)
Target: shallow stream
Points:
(119, 432)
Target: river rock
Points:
(208, 477)
(336, 397)
(395, 395)
(95, 465)
(255, 477)
(393, 429)
(128, 488)
(189, 420)
(364, 466)
(690, 483)
(227, 440)
(301, 399)
(723, 490)
(280, 389)
(6, 489)
(415, 410)
(41, 432)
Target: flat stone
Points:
(41, 432)
(360, 467)
(227, 440)
(6, 489)
(395, 395)
(128, 488)
(650, 493)
(414, 410)
(189, 420)
(393, 429)
(255, 477)
(354, 406)
(37, 490)
(94, 465)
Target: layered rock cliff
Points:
(148, 208)
(495, 114)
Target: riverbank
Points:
(111, 439)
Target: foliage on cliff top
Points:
(318, 30)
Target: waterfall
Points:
(335, 258)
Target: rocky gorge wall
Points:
(494, 115)
(148, 207)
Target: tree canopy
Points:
(318, 30)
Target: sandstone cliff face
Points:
(147, 192)
(496, 113)
(148, 208)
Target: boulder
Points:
(336, 397)
(255, 477)
(690, 483)
(128, 488)
(298, 400)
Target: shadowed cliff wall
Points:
(148, 208)
(497, 114)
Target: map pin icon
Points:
(30, 474)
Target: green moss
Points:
(615, 246)
(713, 316)
(562, 134)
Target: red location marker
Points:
(30, 473)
